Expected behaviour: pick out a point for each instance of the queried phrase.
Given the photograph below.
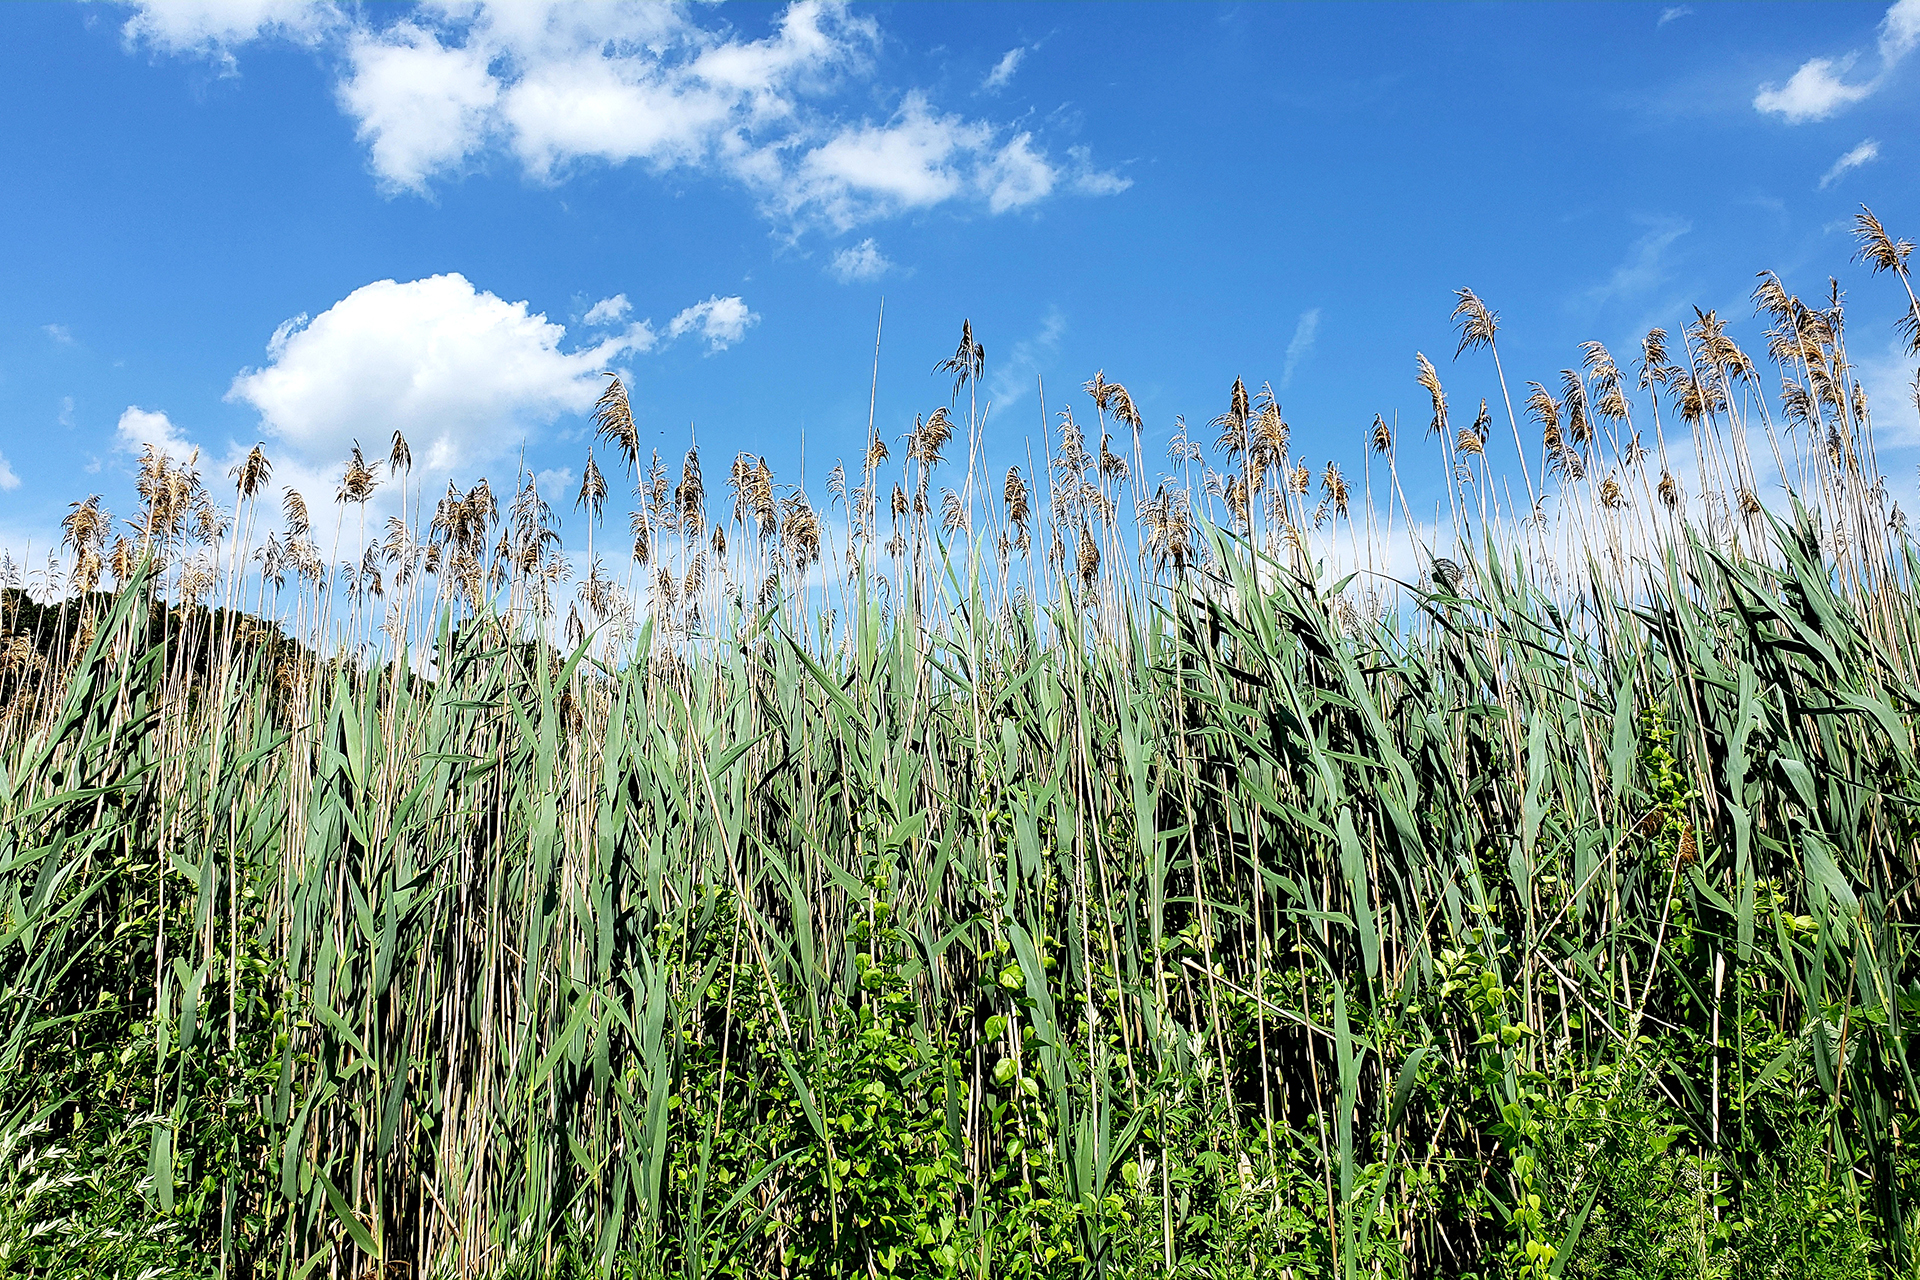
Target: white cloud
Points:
(1003, 70)
(1814, 92)
(862, 261)
(608, 310)
(1899, 31)
(1645, 264)
(139, 427)
(1866, 153)
(59, 333)
(721, 321)
(1018, 176)
(213, 26)
(1012, 378)
(422, 108)
(1673, 13)
(1817, 90)
(1089, 181)
(465, 375)
(558, 85)
(1304, 334)
(66, 411)
(555, 484)
(911, 162)
(8, 480)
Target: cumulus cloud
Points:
(721, 321)
(1003, 70)
(1866, 153)
(420, 107)
(862, 261)
(8, 480)
(1089, 181)
(214, 27)
(608, 310)
(1304, 334)
(467, 376)
(556, 86)
(59, 333)
(1820, 88)
(1814, 92)
(464, 374)
(139, 428)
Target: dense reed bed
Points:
(1094, 877)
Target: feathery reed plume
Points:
(1656, 371)
(1167, 518)
(966, 362)
(1477, 324)
(953, 514)
(1233, 423)
(295, 508)
(1182, 449)
(252, 472)
(1611, 403)
(691, 496)
(1573, 393)
(1087, 558)
(1880, 251)
(1267, 442)
(1334, 485)
(400, 456)
(799, 530)
(358, 481)
(593, 489)
(1112, 397)
(927, 439)
(1883, 253)
(1428, 378)
(1019, 508)
(613, 422)
(1380, 436)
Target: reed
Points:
(1098, 875)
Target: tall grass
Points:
(1094, 877)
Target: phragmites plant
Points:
(1237, 872)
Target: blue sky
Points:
(240, 220)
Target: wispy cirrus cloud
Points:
(1822, 86)
(1012, 378)
(1002, 73)
(1645, 266)
(1305, 331)
(1866, 153)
